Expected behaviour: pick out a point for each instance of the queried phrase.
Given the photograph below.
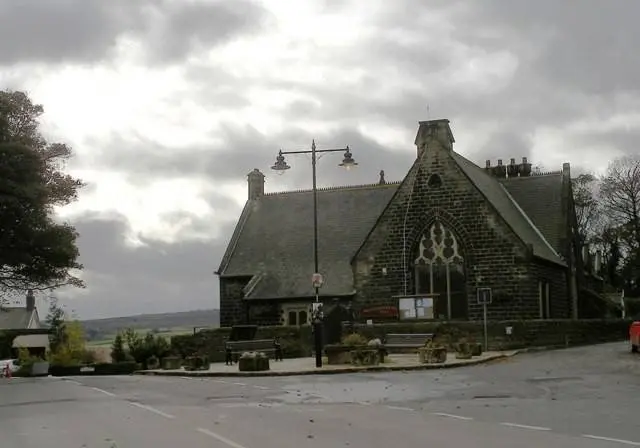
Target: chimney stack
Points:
(31, 301)
(255, 181)
(512, 169)
(566, 170)
(525, 168)
(434, 132)
(500, 171)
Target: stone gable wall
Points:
(494, 256)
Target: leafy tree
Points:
(55, 321)
(118, 353)
(36, 251)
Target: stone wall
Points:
(494, 256)
(529, 333)
(298, 341)
(232, 309)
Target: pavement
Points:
(581, 397)
(307, 366)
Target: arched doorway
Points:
(439, 270)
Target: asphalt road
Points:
(584, 397)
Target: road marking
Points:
(219, 381)
(106, 392)
(239, 384)
(400, 408)
(363, 403)
(150, 409)
(609, 439)
(220, 438)
(77, 383)
(261, 387)
(516, 425)
(459, 417)
(186, 377)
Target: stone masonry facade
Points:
(493, 255)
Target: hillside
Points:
(183, 322)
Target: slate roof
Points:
(15, 318)
(531, 206)
(541, 198)
(510, 209)
(345, 217)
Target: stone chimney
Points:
(513, 169)
(255, 180)
(525, 168)
(566, 170)
(434, 132)
(31, 301)
(500, 170)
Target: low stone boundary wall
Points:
(298, 341)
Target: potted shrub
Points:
(253, 362)
(365, 356)
(153, 362)
(340, 353)
(432, 353)
(463, 349)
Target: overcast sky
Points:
(170, 103)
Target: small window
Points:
(543, 295)
(293, 318)
(435, 181)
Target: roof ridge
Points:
(335, 188)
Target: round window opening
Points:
(435, 181)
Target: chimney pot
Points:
(488, 164)
(499, 162)
(513, 161)
(524, 160)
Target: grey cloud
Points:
(85, 31)
(62, 30)
(157, 277)
(185, 27)
(245, 148)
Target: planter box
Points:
(367, 357)
(171, 363)
(432, 355)
(338, 354)
(253, 362)
(197, 363)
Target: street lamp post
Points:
(281, 166)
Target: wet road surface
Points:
(587, 397)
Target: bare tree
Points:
(587, 206)
(620, 196)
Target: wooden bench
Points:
(237, 348)
(407, 341)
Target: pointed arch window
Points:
(440, 272)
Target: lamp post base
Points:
(317, 336)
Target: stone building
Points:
(419, 248)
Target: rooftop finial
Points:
(382, 181)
